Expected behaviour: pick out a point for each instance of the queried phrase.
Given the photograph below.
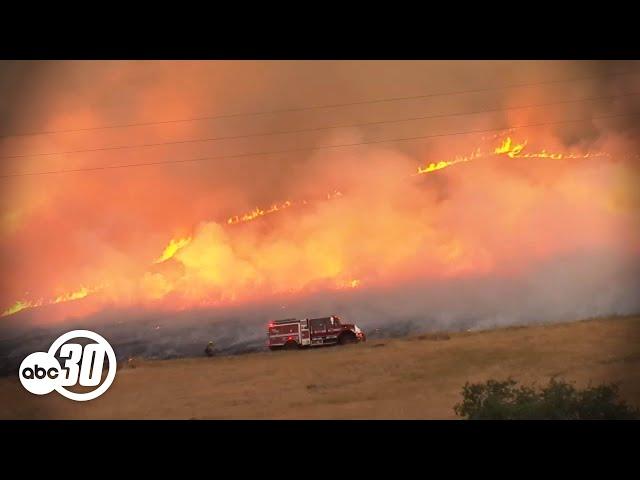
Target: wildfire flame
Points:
(511, 149)
(19, 306)
(171, 249)
(276, 207)
(508, 147)
(432, 167)
(26, 304)
(83, 292)
(514, 150)
(259, 212)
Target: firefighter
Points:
(210, 350)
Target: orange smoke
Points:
(238, 230)
(377, 234)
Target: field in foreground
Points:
(410, 378)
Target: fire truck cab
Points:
(292, 333)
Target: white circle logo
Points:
(41, 372)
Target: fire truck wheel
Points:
(291, 346)
(273, 349)
(347, 338)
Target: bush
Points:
(505, 400)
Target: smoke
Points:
(490, 242)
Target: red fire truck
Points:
(291, 333)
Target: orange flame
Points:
(259, 212)
(508, 147)
(83, 292)
(171, 249)
(276, 207)
(512, 150)
(432, 167)
(26, 304)
(19, 306)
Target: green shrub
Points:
(505, 400)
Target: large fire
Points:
(439, 202)
(333, 270)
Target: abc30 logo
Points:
(41, 372)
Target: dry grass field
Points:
(410, 378)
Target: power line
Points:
(316, 129)
(308, 149)
(318, 107)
